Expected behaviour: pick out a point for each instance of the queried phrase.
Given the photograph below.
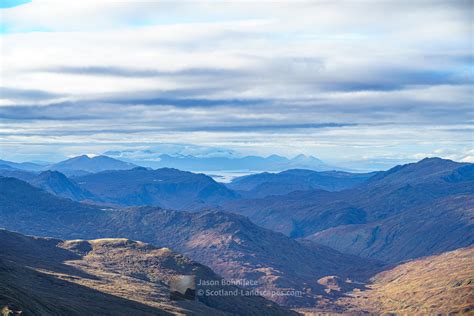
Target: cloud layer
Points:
(338, 80)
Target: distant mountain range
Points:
(20, 165)
(82, 165)
(79, 165)
(172, 188)
(211, 163)
(167, 188)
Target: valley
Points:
(330, 237)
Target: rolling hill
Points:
(167, 188)
(440, 225)
(381, 216)
(236, 248)
(44, 276)
(53, 182)
(27, 166)
(84, 164)
(264, 184)
(57, 183)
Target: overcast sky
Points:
(340, 80)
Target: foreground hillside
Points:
(40, 276)
(238, 249)
(230, 244)
(436, 285)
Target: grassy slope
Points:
(440, 284)
(41, 276)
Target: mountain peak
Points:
(57, 183)
(434, 160)
(80, 157)
(436, 163)
(51, 173)
(427, 169)
(91, 164)
(308, 159)
(300, 157)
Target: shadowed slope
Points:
(408, 211)
(265, 184)
(168, 188)
(230, 244)
(106, 277)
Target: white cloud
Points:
(398, 71)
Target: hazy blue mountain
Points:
(57, 183)
(166, 187)
(231, 244)
(17, 173)
(380, 216)
(53, 182)
(85, 164)
(171, 149)
(82, 165)
(222, 163)
(30, 166)
(264, 184)
(430, 228)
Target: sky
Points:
(340, 80)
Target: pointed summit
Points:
(301, 158)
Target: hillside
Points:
(236, 248)
(230, 244)
(444, 224)
(27, 166)
(57, 183)
(441, 285)
(85, 164)
(105, 277)
(264, 184)
(167, 188)
(53, 182)
(382, 217)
